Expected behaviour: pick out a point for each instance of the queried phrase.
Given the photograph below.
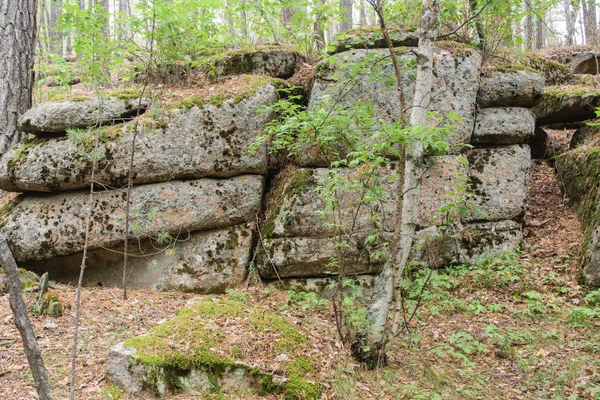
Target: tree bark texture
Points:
(346, 8)
(539, 26)
(528, 25)
(570, 17)
(589, 21)
(18, 30)
(19, 309)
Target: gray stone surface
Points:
(275, 62)
(591, 260)
(499, 178)
(199, 262)
(42, 227)
(489, 239)
(456, 81)
(510, 89)
(585, 134)
(57, 117)
(311, 257)
(370, 37)
(123, 370)
(195, 143)
(580, 61)
(566, 106)
(498, 125)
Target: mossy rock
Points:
(370, 37)
(202, 350)
(275, 61)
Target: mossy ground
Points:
(211, 335)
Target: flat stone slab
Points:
(456, 81)
(276, 62)
(193, 143)
(499, 178)
(42, 227)
(57, 117)
(370, 37)
(204, 350)
(566, 105)
(503, 125)
(199, 262)
(510, 89)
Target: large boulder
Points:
(41, 227)
(181, 143)
(498, 125)
(298, 238)
(57, 117)
(506, 88)
(278, 62)
(456, 81)
(204, 350)
(199, 262)
(566, 105)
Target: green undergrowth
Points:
(195, 340)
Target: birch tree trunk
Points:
(18, 30)
(372, 346)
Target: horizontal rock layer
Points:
(510, 89)
(42, 227)
(276, 62)
(199, 262)
(57, 117)
(498, 125)
(195, 143)
(565, 106)
(298, 237)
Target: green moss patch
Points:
(511, 60)
(208, 336)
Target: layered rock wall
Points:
(199, 190)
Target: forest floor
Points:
(516, 327)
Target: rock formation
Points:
(199, 190)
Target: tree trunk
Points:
(346, 10)
(570, 16)
(56, 36)
(287, 14)
(19, 309)
(539, 26)
(473, 5)
(18, 30)
(528, 26)
(589, 21)
(371, 349)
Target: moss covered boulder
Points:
(198, 139)
(370, 37)
(579, 170)
(204, 350)
(564, 105)
(275, 61)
